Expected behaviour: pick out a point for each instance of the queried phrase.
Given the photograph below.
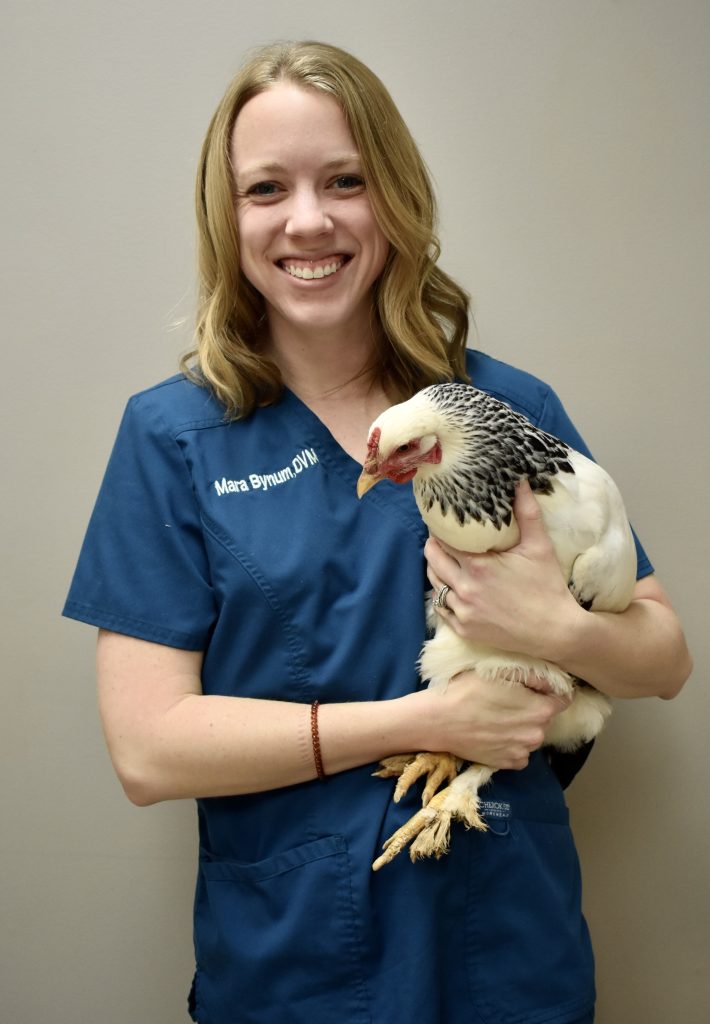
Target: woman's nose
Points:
(308, 214)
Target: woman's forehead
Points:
(287, 122)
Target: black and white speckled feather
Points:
(499, 446)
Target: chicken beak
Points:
(366, 481)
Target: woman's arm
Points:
(640, 652)
(168, 740)
(519, 600)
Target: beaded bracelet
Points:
(316, 740)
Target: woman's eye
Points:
(348, 182)
(263, 188)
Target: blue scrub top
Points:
(246, 540)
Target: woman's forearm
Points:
(168, 740)
(206, 746)
(640, 652)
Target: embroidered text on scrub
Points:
(257, 482)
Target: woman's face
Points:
(308, 237)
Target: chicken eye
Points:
(404, 448)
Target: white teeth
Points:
(308, 273)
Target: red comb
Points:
(373, 442)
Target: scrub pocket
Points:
(528, 948)
(277, 940)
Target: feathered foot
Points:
(428, 830)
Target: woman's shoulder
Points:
(177, 403)
(518, 388)
(527, 394)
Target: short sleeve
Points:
(554, 420)
(143, 568)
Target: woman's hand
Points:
(518, 599)
(494, 723)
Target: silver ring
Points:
(440, 599)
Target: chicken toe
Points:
(437, 767)
(403, 836)
(428, 830)
(392, 767)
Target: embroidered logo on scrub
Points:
(495, 809)
(497, 814)
(305, 459)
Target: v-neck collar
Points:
(389, 497)
(318, 428)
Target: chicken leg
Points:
(428, 830)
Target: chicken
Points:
(464, 452)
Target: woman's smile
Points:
(313, 270)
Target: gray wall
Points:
(569, 142)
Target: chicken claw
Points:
(428, 830)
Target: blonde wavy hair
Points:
(422, 313)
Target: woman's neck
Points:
(319, 367)
(337, 379)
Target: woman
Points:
(259, 628)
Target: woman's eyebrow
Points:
(273, 167)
